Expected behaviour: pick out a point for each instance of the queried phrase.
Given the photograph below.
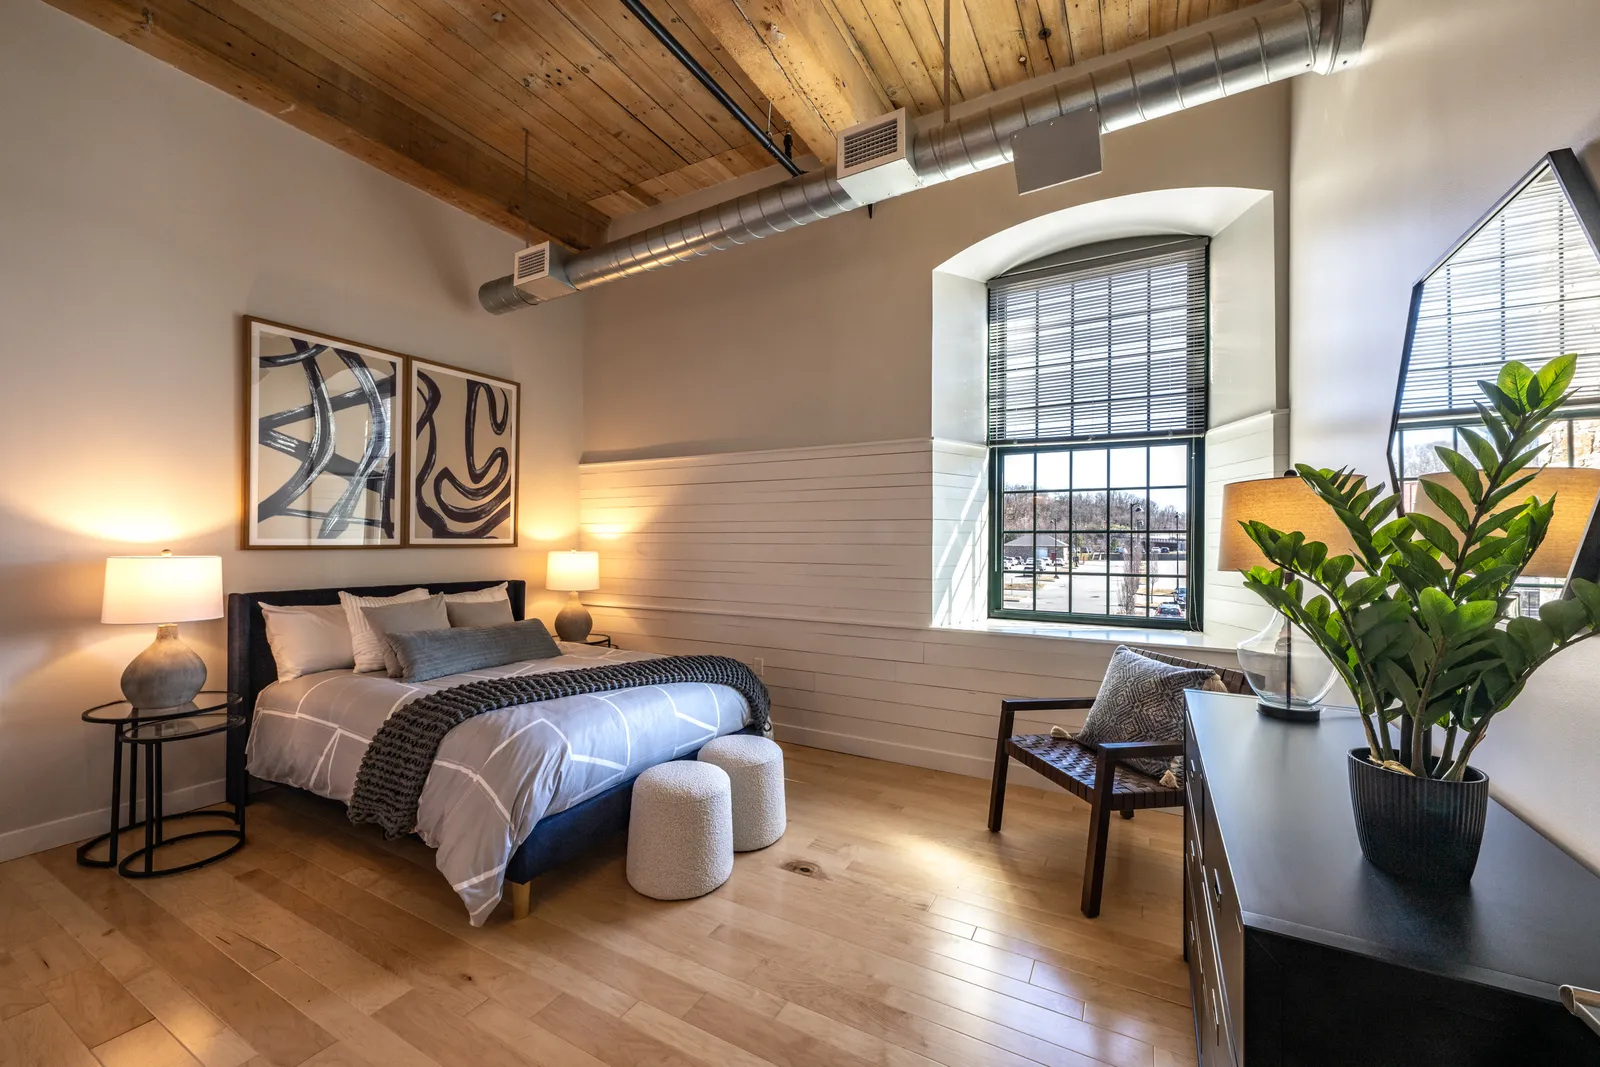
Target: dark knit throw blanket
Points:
(396, 765)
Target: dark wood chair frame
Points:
(1100, 791)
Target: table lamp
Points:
(1288, 672)
(164, 590)
(1575, 490)
(573, 572)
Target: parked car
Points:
(1169, 611)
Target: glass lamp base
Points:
(1289, 674)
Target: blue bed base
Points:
(566, 835)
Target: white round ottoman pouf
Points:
(755, 768)
(680, 831)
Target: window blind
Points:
(1107, 341)
(1524, 286)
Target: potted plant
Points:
(1423, 637)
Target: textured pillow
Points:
(479, 596)
(465, 613)
(308, 638)
(368, 649)
(409, 616)
(435, 653)
(1141, 699)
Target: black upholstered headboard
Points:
(251, 667)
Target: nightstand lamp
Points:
(164, 590)
(573, 572)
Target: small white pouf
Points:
(755, 767)
(680, 831)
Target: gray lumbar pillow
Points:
(1141, 699)
(409, 616)
(479, 612)
(436, 653)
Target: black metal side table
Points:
(212, 712)
(599, 640)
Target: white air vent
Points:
(874, 159)
(531, 263)
(538, 271)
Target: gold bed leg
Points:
(521, 895)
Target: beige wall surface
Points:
(1392, 161)
(823, 335)
(144, 213)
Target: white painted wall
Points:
(144, 212)
(1392, 161)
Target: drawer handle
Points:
(1216, 884)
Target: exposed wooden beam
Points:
(230, 48)
(796, 54)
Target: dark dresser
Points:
(1302, 953)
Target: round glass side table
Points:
(145, 734)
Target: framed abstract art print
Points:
(325, 425)
(461, 481)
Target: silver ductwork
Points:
(1264, 46)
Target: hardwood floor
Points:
(887, 927)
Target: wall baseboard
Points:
(81, 827)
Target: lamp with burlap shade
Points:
(1288, 504)
(1575, 490)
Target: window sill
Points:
(1213, 639)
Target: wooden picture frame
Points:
(461, 470)
(324, 440)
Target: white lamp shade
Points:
(573, 571)
(146, 589)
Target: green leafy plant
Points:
(1421, 637)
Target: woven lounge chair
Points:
(1098, 775)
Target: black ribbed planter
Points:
(1418, 829)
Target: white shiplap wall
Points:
(827, 566)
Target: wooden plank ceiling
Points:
(445, 93)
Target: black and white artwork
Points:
(462, 476)
(326, 422)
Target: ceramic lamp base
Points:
(168, 674)
(574, 622)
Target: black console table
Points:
(1302, 953)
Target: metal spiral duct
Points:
(1266, 46)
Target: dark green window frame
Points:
(1089, 544)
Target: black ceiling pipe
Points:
(704, 77)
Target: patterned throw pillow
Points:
(1141, 699)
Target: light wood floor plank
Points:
(42, 1037)
(149, 1045)
(887, 928)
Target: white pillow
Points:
(479, 596)
(308, 638)
(367, 645)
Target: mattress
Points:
(495, 775)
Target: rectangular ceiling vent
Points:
(875, 159)
(539, 270)
(532, 263)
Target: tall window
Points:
(1097, 413)
(1524, 285)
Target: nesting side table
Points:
(143, 735)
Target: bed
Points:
(568, 795)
